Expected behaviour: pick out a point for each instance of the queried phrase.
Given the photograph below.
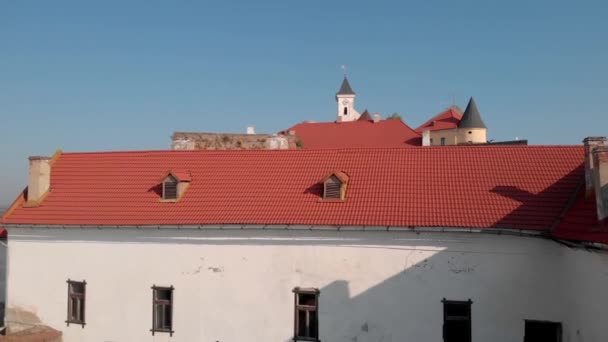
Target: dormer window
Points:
(174, 184)
(334, 186)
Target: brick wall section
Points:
(230, 141)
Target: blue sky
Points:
(121, 75)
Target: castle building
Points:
(452, 127)
(352, 129)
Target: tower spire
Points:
(471, 117)
(346, 101)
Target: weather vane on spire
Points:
(343, 67)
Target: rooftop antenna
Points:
(343, 67)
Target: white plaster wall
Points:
(235, 285)
(352, 113)
(586, 278)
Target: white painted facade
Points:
(236, 285)
(346, 108)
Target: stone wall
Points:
(229, 141)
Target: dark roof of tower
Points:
(365, 116)
(345, 88)
(471, 117)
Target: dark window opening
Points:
(431, 141)
(332, 188)
(470, 132)
(442, 141)
(76, 300)
(345, 110)
(306, 327)
(456, 321)
(162, 309)
(170, 188)
(539, 331)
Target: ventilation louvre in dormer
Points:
(332, 188)
(170, 188)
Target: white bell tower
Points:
(346, 103)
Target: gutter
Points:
(497, 231)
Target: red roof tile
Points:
(524, 187)
(447, 119)
(356, 134)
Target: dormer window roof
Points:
(174, 184)
(334, 186)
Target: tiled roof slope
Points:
(447, 119)
(522, 187)
(580, 221)
(356, 134)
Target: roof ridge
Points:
(405, 147)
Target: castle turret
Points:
(471, 128)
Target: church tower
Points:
(346, 103)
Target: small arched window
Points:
(345, 110)
(170, 188)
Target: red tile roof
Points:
(580, 221)
(343, 177)
(447, 119)
(356, 134)
(180, 175)
(521, 187)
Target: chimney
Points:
(39, 180)
(376, 118)
(250, 130)
(426, 138)
(590, 143)
(600, 176)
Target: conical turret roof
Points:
(365, 116)
(471, 117)
(345, 88)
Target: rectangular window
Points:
(306, 327)
(457, 321)
(76, 300)
(542, 331)
(442, 141)
(162, 309)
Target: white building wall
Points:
(348, 102)
(586, 278)
(236, 285)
